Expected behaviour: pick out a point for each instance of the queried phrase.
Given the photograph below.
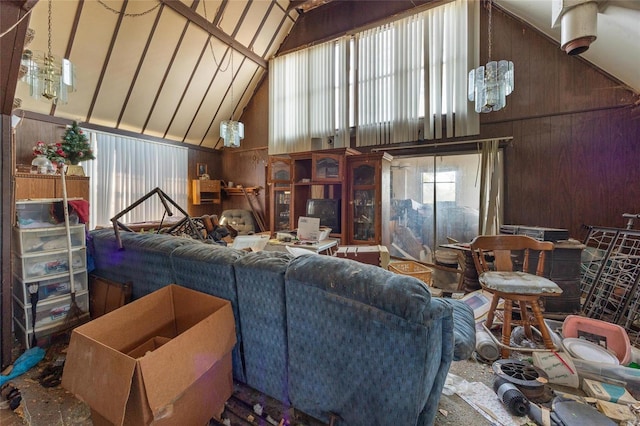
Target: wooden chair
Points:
(510, 276)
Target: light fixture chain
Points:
(49, 34)
(204, 5)
(232, 78)
(129, 15)
(490, 35)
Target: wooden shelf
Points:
(251, 190)
(206, 191)
(34, 186)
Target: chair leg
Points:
(490, 313)
(506, 328)
(524, 319)
(546, 337)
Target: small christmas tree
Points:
(75, 145)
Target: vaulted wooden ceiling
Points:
(172, 69)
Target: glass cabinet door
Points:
(364, 215)
(282, 210)
(327, 167)
(364, 174)
(364, 209)
(279, 171)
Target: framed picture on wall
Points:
(202, 169)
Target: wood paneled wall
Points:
(573, 160)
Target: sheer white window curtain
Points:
(491, 188)
(126, 169)
(410, 84)
(308, 98)
(412, 75)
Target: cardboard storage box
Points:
(162, 359)
(607, 392)
(373, 255)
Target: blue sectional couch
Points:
(326, 335)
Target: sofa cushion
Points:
(400, 295)
(239, 219)
(464, 330)
(209, 268)
(261, 304)
(143, 259)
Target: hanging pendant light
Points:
(231, 131)
(50, 77)
(490, 85)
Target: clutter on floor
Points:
(593, 379)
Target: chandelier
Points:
(489, 85)
(231, 131)
(50, 77)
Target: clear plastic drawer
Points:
(49, 312)
(48, 265)
(50, 288)
(38, 240)
(42, 213)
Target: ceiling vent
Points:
(578, 21)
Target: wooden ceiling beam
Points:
(200, 21)
(11, 46)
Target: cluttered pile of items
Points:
(591, 377)
(578, 370)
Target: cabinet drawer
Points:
(51, 288)
(38, 240)
(209, 185)
(49, 313)
(48, 265)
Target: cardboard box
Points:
(607, 392)
(182, 374)
(373, 255)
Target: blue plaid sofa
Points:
(326, 335)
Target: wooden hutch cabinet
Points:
(369, 179)
(309, 182)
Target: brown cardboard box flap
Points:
(168, 373)
(90, 366)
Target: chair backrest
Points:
(504, 249)
(241, 220)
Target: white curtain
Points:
(126, 169)
(308, 95)
(414, 71)
(390, 75)
(452, 49)
(491, 178)
(410, 83)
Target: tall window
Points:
(126, 169)
(399, 82)
(441, 183)
(308, 93)
(434, 197)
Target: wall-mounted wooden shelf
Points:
(206, 191)
(250, 190)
